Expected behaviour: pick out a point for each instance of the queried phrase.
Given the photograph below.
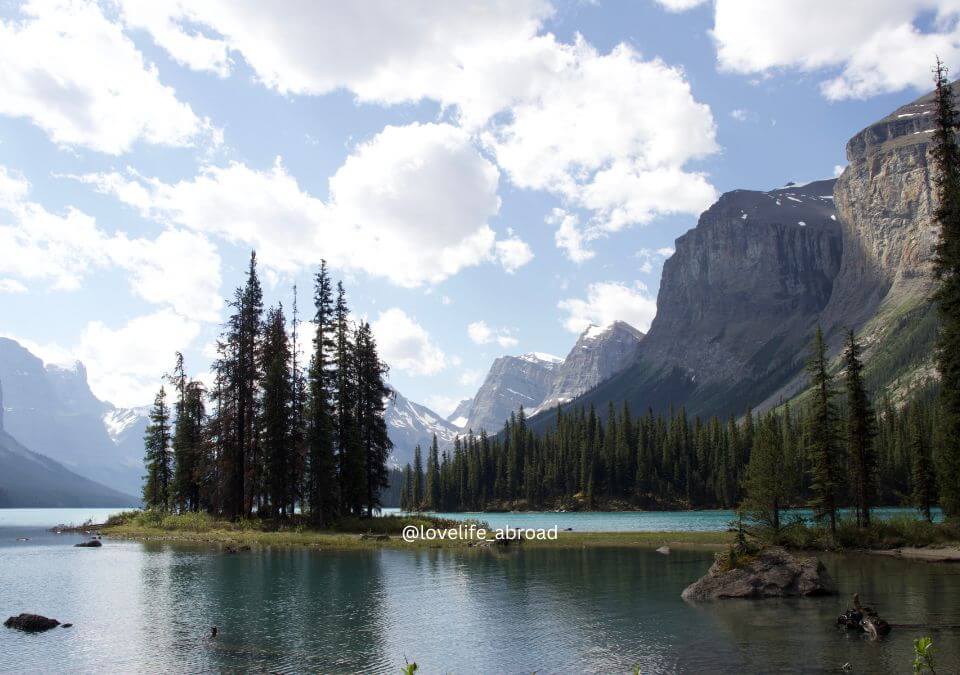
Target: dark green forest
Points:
(669, 461)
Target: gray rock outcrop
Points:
(772, 573)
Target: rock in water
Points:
(772, 573)
(665, 550)
(31, 623)
(93, 543)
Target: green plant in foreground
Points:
(409, 668)
(923, 655)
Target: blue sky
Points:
(486, 178)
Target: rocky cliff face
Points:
(513, 381)
(885, 203)
(737, 304)
(599, 353)
(885, 200)
(741, 294)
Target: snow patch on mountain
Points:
(119, 421)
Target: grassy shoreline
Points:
(232, 539)
(908, 539)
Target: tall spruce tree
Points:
(861, 431)
(298, 432)
(406, 489)
(276, 421)
(372, 393)
(433, 495)
(823, 448)
(156, 440)
(418, 480)
(182, 462)
(350, 455)
(240, 361)
(322, 491)
(946, 154)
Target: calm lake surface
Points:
(641, 521)
(148, 608)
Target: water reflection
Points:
(149, 608)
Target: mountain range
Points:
(742, 295)
(29, 479)
(737, 305)
(538, 381)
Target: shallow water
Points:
(148, 608)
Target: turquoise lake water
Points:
(639, 521)
(147, 607)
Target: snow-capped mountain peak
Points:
(120, 421)
(542, 357)
(410, 424)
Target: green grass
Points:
(349, 533)
(897, 532)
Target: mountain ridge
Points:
(746, 287)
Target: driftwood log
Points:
(863, 619)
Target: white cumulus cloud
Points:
(480, 333)
(406, 345)
(863, 49)
(607, 132)
(381, 50)
(412, 204)
(569, 236)
(609, 301)
(179, 269)
(74, 73)
(680, 5)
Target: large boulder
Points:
(31, 623)
(771, 573)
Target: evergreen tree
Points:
(350, 455)
(298, 432)
(946, 154)
(322, 489)
(923, 482)
(406, 489)
(372, 391)
(433, 477)
(240, 368)
(189, 445)
(277, 416)
(417, 493)
(822, 447)
(861, 431)
(767, 485)
(156, 489)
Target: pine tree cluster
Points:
(278, 436)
